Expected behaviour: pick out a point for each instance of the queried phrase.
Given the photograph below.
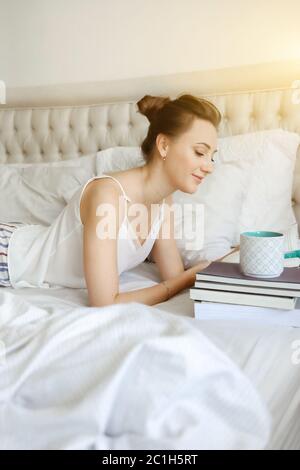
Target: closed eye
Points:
(202, 155)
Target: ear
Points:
(162, 144)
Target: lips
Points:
(198, 178)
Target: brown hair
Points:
(173, 117)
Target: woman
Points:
(75, 250)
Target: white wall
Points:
(44, 42)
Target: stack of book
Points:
(225, 283)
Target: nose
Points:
(207, 167)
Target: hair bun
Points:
(150, 105)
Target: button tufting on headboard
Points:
(67, 131)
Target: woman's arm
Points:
(159, 293)
(100, 254)
(165, 253)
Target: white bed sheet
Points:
(262, 350)
(120, 377)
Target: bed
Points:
(245, 396)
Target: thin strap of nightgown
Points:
(127, 199)
(124, 194)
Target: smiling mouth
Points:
(199, 178)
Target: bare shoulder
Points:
(101, 190)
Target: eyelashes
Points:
(202, 155)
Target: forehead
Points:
(201, 131)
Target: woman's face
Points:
(190, 156)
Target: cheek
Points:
(182, 165)
(178, 164)
(190, 163)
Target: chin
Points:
(188, 185)
(189, 189)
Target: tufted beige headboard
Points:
(58, 133)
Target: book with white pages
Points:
(247, 289)
(213, 311)
(243, 298)
(230, 273)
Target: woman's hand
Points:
(191, 272)
(203, 264)
(200, 266)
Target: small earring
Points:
(164, 157)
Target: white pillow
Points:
(267, 204)
(37, 193)
(296, 188)
(118, 159)
(86, 161)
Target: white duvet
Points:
(119, 377)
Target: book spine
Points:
(254, 282)
(242, 298)
(247, 289)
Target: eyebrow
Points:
(208, 146)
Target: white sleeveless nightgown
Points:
(52, 256)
